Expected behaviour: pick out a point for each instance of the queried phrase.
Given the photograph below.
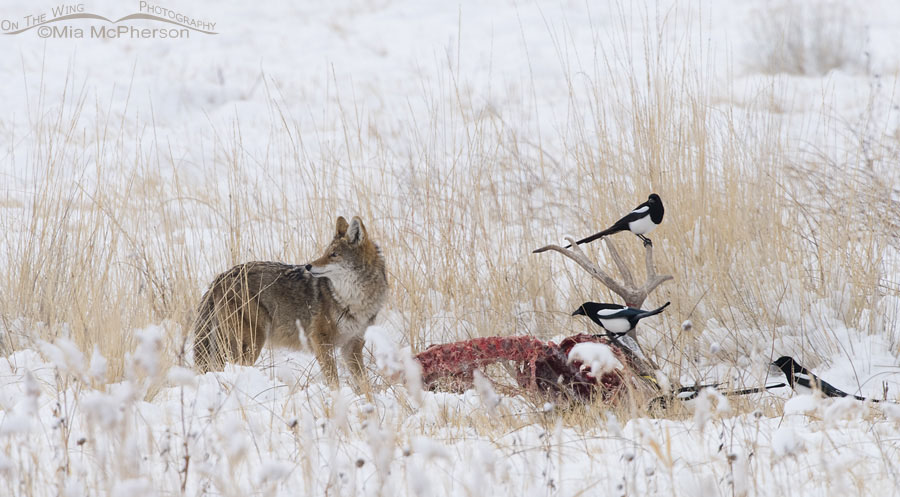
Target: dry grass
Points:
(110, 241)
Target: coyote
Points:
(331, 300)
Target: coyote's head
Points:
(349, 256)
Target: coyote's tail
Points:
(206, 347)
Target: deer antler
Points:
(653, 279)
(577, 255)
(633, 295)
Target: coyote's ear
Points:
(357, 231)
(341, 228)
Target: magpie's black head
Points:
(581, 311)
(788, 366)
(654, 198)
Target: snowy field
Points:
(135, 169)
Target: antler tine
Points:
(577, 255)
(653, 279)
(575, 246)
(624, 270)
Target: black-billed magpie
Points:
(692, 392)
(642, 220)
(614, 318)
(804, 382)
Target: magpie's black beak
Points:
(579, 312)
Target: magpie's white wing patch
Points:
(641, 210)
(609, 312)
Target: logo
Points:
(73, 21)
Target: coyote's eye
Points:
(334, 254)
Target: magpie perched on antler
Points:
(804, 382)
(642, 220)
(616, 319)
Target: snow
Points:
(598, 357)
(146, 358)
(181, 376)
(393, 362)
(486, 394)
(66, 429)
(98, 366)
(786, 442)
(64, 354)
(801, 404)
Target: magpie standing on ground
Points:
(804, 382)
(616, 319)
(642, 220)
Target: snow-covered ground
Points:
(270, 432)
(370, 82)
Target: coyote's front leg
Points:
(321, 336)
(353, 357)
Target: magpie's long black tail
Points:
(653, 312)
(864, 399)
(601, 234)
(831, 391)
